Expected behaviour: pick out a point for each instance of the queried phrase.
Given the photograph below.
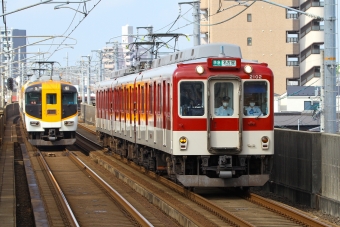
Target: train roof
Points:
(169, 63)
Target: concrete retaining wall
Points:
(306, 169)
(330, 168)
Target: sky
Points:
(102, 24)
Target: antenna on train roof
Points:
(222, 54)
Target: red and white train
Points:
(204, 116)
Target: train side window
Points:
(255, 98)
(51, 98)
(150, 99)
(223, 99)
(142, 100)
(191, 99)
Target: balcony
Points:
(311, 3)
(292, 39)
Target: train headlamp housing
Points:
(200, 69)
(265, 143)
(183, 143)
(68, 123)
(34, 123)
(248, 69)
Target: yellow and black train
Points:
(49, 110)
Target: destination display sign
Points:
(227, 63)
(224, 63)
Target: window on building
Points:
(308, 105)
(291, 14)
(249, 17)
(249, 41)
(292, 36)
(292, 60)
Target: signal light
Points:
(10, 83)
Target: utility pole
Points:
(88, 80)
(116, 56)
(67, 66)
(82, 83)
(322, 95)
(330, 67)
(2, 100)
(149, 47)
(197, 20)
(100, 63)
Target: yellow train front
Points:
(50, 113)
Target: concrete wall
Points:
(296, 172)
(12, 110)
(330, 168)
(306, 169)
(87, 114)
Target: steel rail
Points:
(220, 212)
(285, 210)
(65, 204)
(126, 205)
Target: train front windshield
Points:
(33, 98)
(69, 98)
(255, 98)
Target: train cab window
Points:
(223, 99)
(255, 98)
(51, 98)
(191, 99)
(33, 98)
(69, 98)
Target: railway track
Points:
(84, 195)
(240, 210)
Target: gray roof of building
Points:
(300, 91)
(291, 119)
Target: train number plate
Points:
(51, 112)
(224, 63)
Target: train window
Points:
(255, 98)
(159, 99)
(191, 98)
(223, 99)
(150, 99)
(51, 98)
(142, 100)
(33, 98)
(69, 98)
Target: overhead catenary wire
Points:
(75, 27)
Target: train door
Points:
(224, 123)
(51, 99)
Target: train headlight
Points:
(248, 69)
(183, 143)
(200, 69)
(265, 143)
(34, 123)
(68, 123)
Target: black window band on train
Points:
(69, 100)
(33, 101)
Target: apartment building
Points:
(288, 41)
(9, 45)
